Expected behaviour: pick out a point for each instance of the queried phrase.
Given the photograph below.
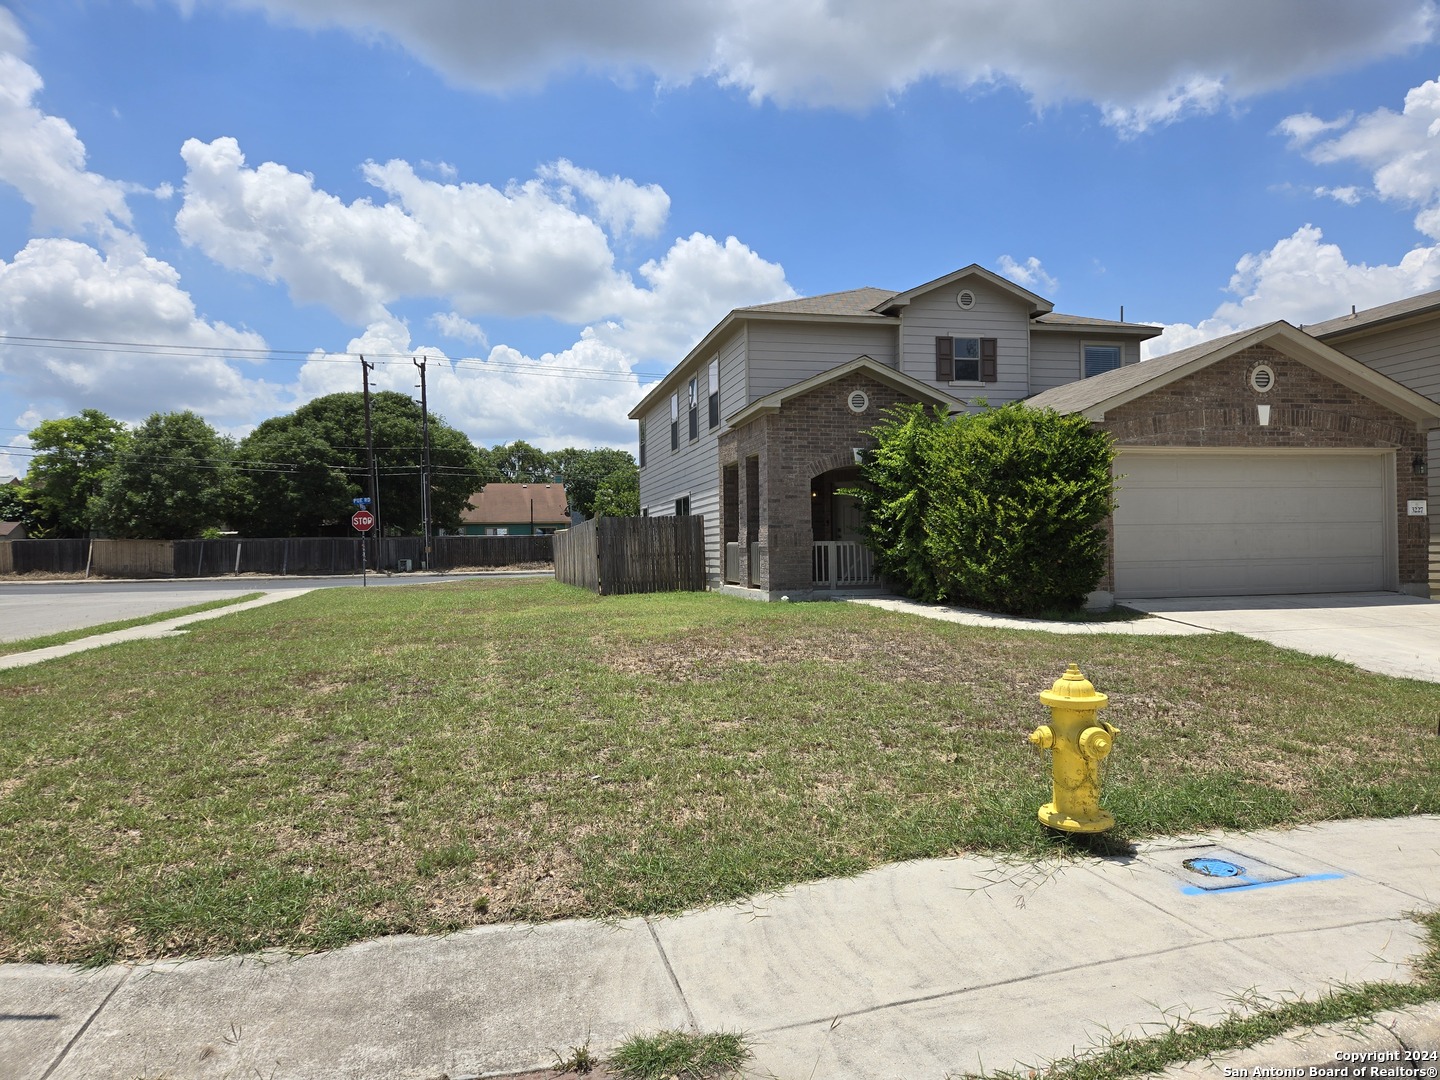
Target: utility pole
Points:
(372, 477)
(424, 463)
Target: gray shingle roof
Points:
(851, 302)
(1411, 305)
(502, 504)
(1062, 322)
(1087, 393)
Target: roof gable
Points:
(1035, 305)
(1096, 395)
(872, 367)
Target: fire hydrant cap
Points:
(1073, 689)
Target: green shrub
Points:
(998, 509)
(894, 502)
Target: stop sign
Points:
(363, 520)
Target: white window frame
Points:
(1118, 346)
(713, 399)
(955, 359)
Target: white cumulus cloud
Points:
(578, 396)
(42, 157)
(1401, 150)
(621, 205)
(521, 251)
(458, 328)
(1303, 279)
(69, 292)
(1029, 274)
(1139, 62)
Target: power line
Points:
(303, 356)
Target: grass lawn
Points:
(350, 763)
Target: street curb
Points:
(1373, 1047)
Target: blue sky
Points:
(215, 204)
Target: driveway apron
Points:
(1386, 633)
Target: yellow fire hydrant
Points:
(1078, 743)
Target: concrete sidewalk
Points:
(161, 629)
(913, 971)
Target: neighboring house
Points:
(1262, 462)
(1401, 340)
(759, 427)
(515, 510)
(11, 530)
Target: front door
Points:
(845, 517)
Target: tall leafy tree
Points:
(618, 495)
(72, 460)
(295, 475)
(585, 472)
(17, 504)
(169, 482)
(520, 463)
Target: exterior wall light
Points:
(1418, 466)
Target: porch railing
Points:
(842, 564)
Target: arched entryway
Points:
(839, 559)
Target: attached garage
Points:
(1264, 462)
(1218, 523)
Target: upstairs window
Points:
(966, 359)
(682, 506)
(715, 392)
(674, 421)
(1100, 359)
(695, 407)
(642, 444)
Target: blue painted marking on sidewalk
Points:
(1214, 867)
(1195, 890)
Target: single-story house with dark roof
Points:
(516, 510)
(1262, 462)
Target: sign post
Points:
(363, 521)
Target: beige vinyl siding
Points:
(783, 354)
(1056, 358)
(733, 376)
(1408, 355)
(693, 470)
(996, 314)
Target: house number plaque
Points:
(1415, 507)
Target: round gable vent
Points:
(858, 401)
(965, 298)
(1262, 378)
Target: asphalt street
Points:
(35, 608)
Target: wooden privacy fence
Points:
(611, 556)
(44, 556)
(288, 555)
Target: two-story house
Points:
(760, 426)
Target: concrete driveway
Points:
(1382, 632)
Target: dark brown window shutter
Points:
(988, 372)
(944, 359)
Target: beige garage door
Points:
(1192, 523)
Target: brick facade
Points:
(811, 434)
(1216, 407)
